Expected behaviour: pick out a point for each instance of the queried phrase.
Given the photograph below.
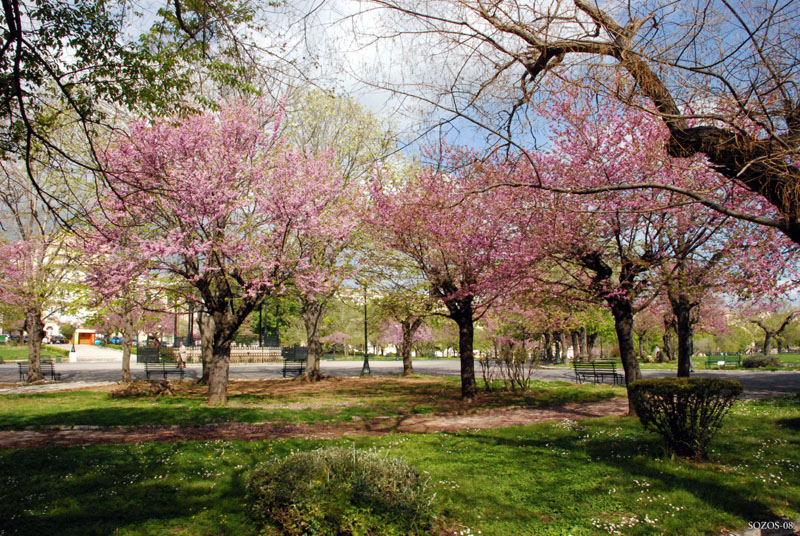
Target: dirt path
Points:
(495, 418)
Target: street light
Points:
(175, 327)
(190, 326)
(365, 367)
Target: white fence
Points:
(243, 354)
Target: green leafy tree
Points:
(67, 330)
(85, 59)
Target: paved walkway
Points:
(104, 368)
(51, 387)
(91, 353)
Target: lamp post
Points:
(261, 326)
(175, 327)
(277, 323)
(190, 327)
(365, 367)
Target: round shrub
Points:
(338, 491)
(759, 361)
(687, 412)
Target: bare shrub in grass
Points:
(514, 367)
(687, 412)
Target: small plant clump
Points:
(338, 491)
(687, 412)
(761, 361)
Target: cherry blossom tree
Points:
(336, 128)
(212, 201)
(467, 247)
(36, 260)
(720, 76)
(405, 302)
(624, 248)
(708, 256)
(337, 338)
(330, 258)
(129, 307)
(405, 329)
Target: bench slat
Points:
(47, 367)
(162, 370)
(597, 371)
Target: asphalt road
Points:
(105, 366)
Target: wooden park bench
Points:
(48, 369)
(294, 360)
(723, 361)
(163, 370)
(597, 372)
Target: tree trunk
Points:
(682, 309)
(405, 348)
(565, 346)
(312, 313)
(410, 326)
(548, 347)
(584, 344)
(218, 368)
(127, 343)
(591, 338)
(576, 345)
(461, 312)
(35, 328)
(207, 327)
(767, 348)
(623, 325)
(667, 339)
(769, 333)
(558, 353)
(222, 326)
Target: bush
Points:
(340, 491)
(687, 412)
(759, 361)
(58, 351)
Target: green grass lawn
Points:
(790, 359)
(20, 353)
(589, 477)
(332, 401)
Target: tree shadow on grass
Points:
(635, 459)
(176, 414)
(793, 423)
(97, 490)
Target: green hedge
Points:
(60, 351)
(687, 412)
(761, 361)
